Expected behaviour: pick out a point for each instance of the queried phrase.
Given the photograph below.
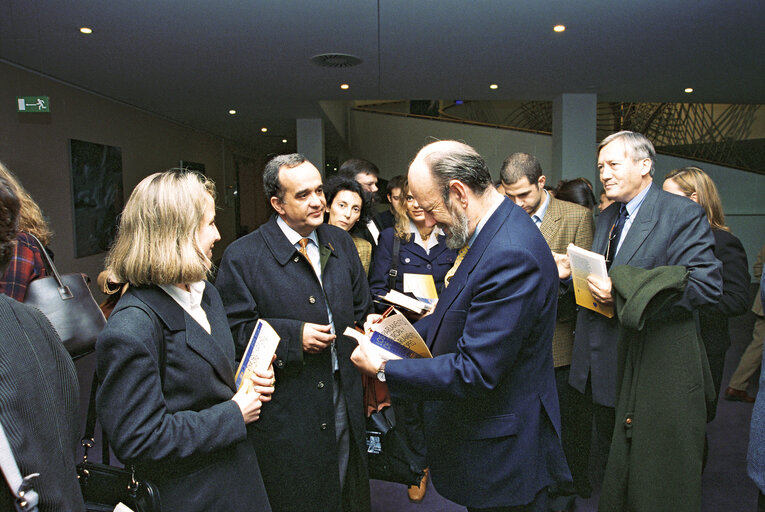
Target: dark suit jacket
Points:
(412, 259)
(566, 223)
(187, 436)
(491, 410)
(38, 407)
(263, 276)
(667, 230)
(735, 296)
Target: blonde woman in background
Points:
(697, 186)
(167, 399)
(26, 262)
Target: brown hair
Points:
(31, 218)
(693, 179)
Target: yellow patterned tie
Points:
(453, 270)
(303, 242)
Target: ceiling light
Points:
(493, 86)
(232, 111)
(264, 129)
(345, 87)
(689, 90)
(559, 28)
(284, 141)
(86, 30)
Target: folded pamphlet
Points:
(583, 263)
(260, 350)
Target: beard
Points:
(457, 232)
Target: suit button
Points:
(279, 363)
(428, 266)
(406, 260)
(323, 426)
(628, 421)
(297, 258)
(312, 299)
(320, 384)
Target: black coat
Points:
(263, 276)
(187, 436)
(38, 406)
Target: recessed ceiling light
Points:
(559, 28)
(689, 90)
(86, 30)
(345, 87)
(493, 86)
(264, 129)
(284, 141)
(232, 111)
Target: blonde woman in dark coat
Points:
(182, 423)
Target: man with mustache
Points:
(490, 407)
(305, 279)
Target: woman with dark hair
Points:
(697, 186)
(167, 399)
(576, 191)
(39, 391)
(347, 208)
(26, 263)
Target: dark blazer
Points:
(39, 397)
(412, 259)
(263, 276)
(491, 409)
(187, 435)
(667, 230)
(735, 298)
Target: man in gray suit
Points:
(645, 228)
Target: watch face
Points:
(381, 376)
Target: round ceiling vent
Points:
(336, 60)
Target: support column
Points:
(310, 141)
(574, 139)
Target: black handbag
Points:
(103, 485)
(388, 456)
(68, 304)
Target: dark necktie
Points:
(615, 234)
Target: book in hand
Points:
(421, 286)
(398, 299)
(394, 338)
(583, 263)
(260, 350)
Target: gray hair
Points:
(638, 146)
(271, 184)
(462, 163)
(518, 165)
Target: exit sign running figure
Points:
(33, 103)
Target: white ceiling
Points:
(193, 60)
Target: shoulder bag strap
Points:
(25, 496)
(393, 272)
(51, 268)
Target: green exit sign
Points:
(33, 103)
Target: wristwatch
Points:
(381, 372)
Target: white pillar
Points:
(574, 139)
(310, 141)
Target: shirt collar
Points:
(187, 300)
(484, 220)
(293, 236)
(634, 204)
(417, 238)
(543, 209)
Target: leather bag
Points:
(103, 485)
(388, 456)
(68, 304)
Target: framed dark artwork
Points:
(193, 166)
(96, 195)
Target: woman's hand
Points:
(264, 382)
(248, 401)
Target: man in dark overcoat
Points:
(305, 279)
